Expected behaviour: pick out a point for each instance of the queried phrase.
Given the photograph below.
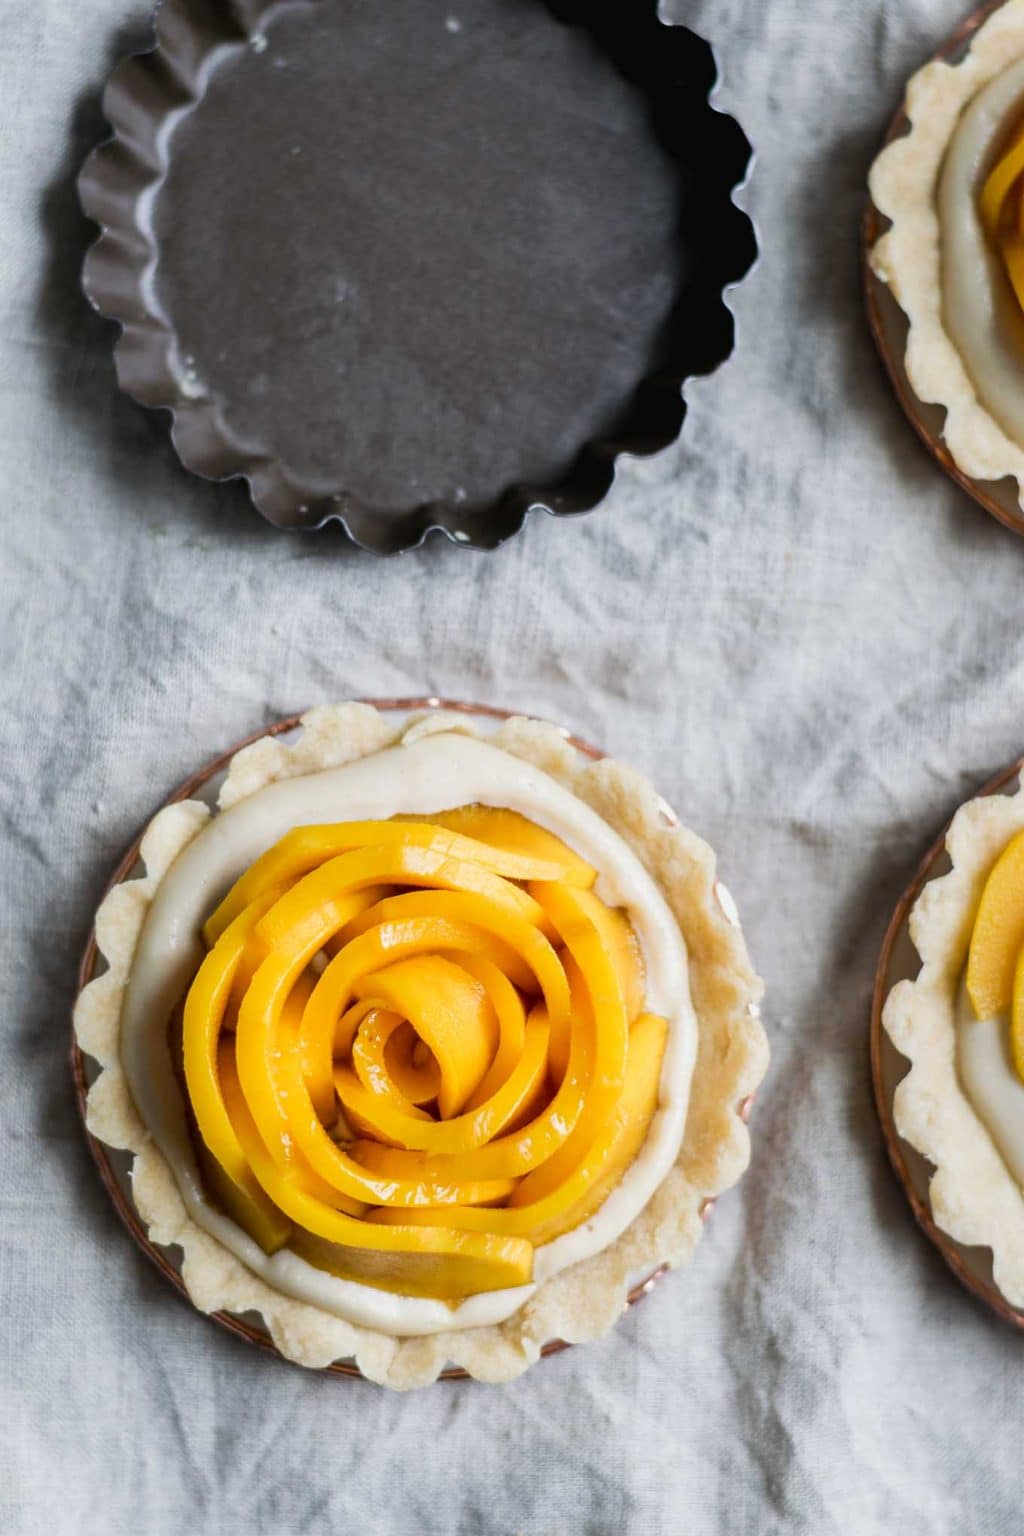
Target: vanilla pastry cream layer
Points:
(990, 1080)
(980, 312)
(432, 774)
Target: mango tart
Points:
(431, 1081)
(952, 191)
(960, 1023)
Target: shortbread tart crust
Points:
(581, 1303)
(903, 183)
(974, 1197)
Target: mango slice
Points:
(1001, 206)
(307, 848)
(418, 1048)
(1017, 1018)
(230, 1175)
(998, 933)
(450, 1012)
(508, 830)
(390, 1061)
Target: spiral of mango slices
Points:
(1002, 209)
(417, 1049)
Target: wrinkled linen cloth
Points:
(790, 619)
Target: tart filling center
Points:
(431, 1056)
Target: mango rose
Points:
(417, 1049)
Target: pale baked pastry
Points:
(953, 189)
(426, 1045)
(960, 1023)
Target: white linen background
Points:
(790, 619)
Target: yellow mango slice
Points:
(508, 830)
(230, 1175)
(329, 897)
(624, 952)
(558, 1207)
(1013, 259)
(385, 1072)
(1017, 1018)
(308, 848)
(404, 1082)
(261, 942)
(626, 955)
(395, 1125)
(450, 1012)
(410, 1065)
(249, 1209)
(256, 1214)
(580, 918)
(485, 941)
(1001, 206)
(998, 933)
(252, 1209)
(999, 183)
(435, 1262)
(511, 1016)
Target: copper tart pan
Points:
(898, 960)
(415, 267)
(112, 1165)
(1000, 498)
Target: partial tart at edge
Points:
(902, 241)
(942, 1139)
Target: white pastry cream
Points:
(980, 313)
(431, 774)
(990, 1080)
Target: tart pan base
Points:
(416, 266)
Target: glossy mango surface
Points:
(417, 1049)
